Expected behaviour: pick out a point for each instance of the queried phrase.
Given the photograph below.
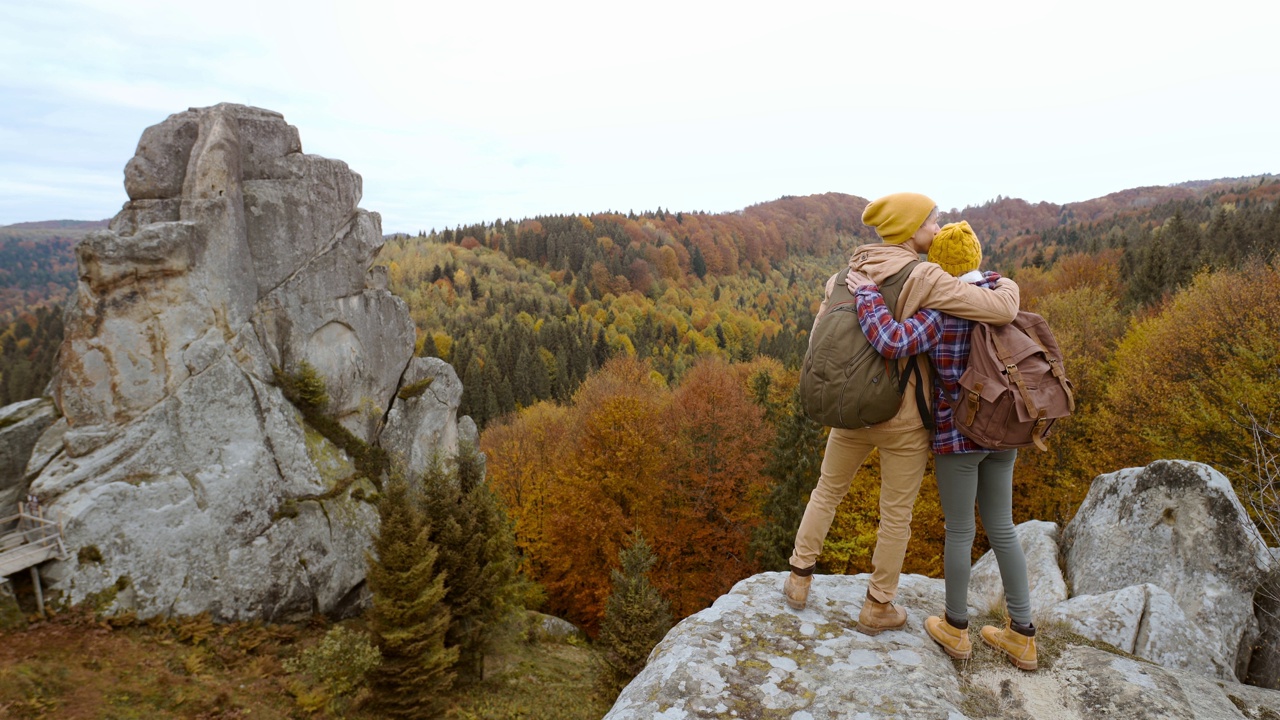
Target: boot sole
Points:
(957, 654)
(873, 631)
(1020, 664)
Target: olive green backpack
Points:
(844, 382)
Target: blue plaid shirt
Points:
(944, 337)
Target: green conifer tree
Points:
(477, 555)
(795, 465)
(698, 263)
(408, 617)
(636, 617)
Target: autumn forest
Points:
(635, 371)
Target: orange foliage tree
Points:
(684, 466)
(713, 487)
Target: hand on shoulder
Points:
(855, 280)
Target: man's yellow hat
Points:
(956, 248)
(898, 216)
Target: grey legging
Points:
(987, 478)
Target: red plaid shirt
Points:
(944, 337)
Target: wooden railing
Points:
(28, 539)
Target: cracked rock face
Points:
(186, 478)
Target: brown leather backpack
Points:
(1015, 387)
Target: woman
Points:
(966, 472)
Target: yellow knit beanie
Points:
(898, 216)
(956, 248)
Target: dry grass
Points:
(78, 667)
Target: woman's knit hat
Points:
(898, 216)
(956, 248)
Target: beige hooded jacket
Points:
(928, 286)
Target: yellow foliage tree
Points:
(1186, 378)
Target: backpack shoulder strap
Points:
(891, 290)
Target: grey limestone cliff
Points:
(185, 480)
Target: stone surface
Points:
(1086, 683)
(1179, 526)
(212, 501)
(21, 425)
(425, 422)
(749, 656)
(1146, 621)
(1039, 540)
(189, 481)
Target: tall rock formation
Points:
(186, 481)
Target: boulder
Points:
(552, 628)
(1178, 526)
(1039, 540)
(21, 425)
(1146, 621)
(750, 656)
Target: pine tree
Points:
(477, 555)
(795, 465)
(636, 617)
(698, 263)
(408, 617)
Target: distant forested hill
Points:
(634, 371)
(671, 286)
(37, 264)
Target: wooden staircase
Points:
(28, 539)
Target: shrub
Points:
(339, 662)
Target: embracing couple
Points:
(939, 304)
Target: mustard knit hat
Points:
(898, 216)
(956, 248)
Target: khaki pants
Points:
(903, 454)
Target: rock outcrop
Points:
(186, 481)
(749, 656)
(1171, 581)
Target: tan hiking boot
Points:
(796, 590)
(876, 617)
(954, 640)
(1016, 642)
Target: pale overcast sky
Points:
(472, 110)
